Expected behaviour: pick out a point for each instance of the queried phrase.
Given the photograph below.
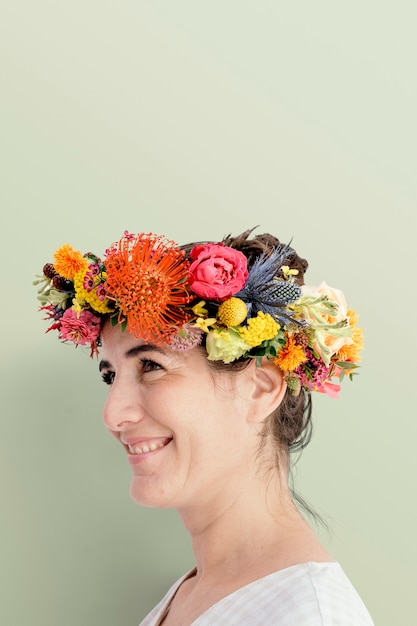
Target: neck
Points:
(253, 525)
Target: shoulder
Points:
(309, 594)
(329, 592)
(313, 594)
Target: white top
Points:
(309, 594)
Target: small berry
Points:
(301, 339)
(62, 284)
(49, 270)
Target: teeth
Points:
(147, 447)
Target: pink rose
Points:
(217, 272)
(81, 328)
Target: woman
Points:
(211, 353)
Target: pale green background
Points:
(196, 119)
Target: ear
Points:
(267, 390)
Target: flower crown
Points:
(147, 284)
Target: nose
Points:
(122, 408)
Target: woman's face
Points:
(186, 431)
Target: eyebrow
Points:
(132, 353)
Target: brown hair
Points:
(290, 424)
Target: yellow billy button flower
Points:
(232, 312)
(260, 328)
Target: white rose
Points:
(325, 308)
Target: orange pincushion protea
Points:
(147, 276)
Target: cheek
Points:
(218, 425)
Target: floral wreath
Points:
(147, 284)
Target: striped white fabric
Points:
(309, 594)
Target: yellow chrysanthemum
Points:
(67, 261)
(290, 356)
(260, 328)
(232, 312)
(81, 293)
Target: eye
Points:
(150, 366)
(108, 377)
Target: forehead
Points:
(117, 341)
(118, 344)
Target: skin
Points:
(207, 463)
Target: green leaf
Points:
(114, 319)
(346, 365)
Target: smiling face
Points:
(188, 433)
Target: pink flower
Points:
(88, 283)
(101, 291)
(187, 338)
(331, 389)
(94, 269)
(81, 328)
(218, 272)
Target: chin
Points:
(148, 496)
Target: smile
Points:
(148, 446)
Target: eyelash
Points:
(150, 364)
(108, 377)
(147, 366)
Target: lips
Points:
(150, 445)
(140, 449)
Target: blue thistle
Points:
(264, 291)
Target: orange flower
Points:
(352, 352)
(147, 277)
(69, 261)
(290, 356)
(353, 317)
